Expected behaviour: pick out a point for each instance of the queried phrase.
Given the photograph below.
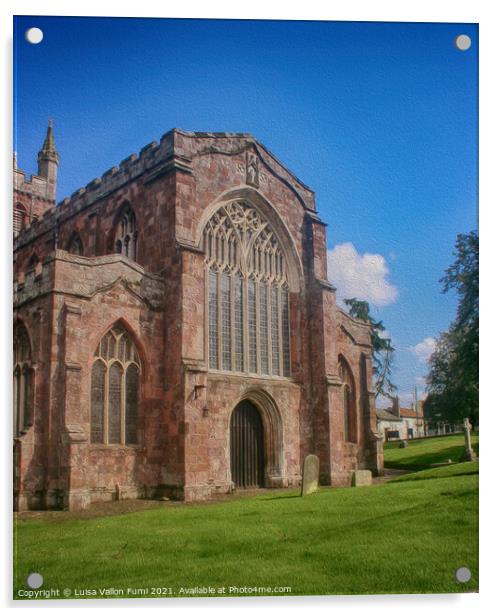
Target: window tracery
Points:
(248, 293)
(127, 234)
(115, 389)
(23, 381)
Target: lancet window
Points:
(23, 381)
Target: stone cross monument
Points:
(469, 454)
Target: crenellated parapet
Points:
(35, 185)
(174, 152)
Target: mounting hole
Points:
(34, 36)
(462, 42)
(34, 580)
(463, 575)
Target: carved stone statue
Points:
(252, 170)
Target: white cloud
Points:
(363, 276)
(424, 349)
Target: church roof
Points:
(385, 415)
(409, 413)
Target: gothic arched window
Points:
(23, 381)
(248, 293)
(126, 234)
(115, 389)
(75, 245)
(349, 403)
(20, 218)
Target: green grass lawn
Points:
(421, 453)
(404, 536)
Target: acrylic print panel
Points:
(230, 242)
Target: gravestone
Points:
(362, 478)
(469, 454)
(310, 475)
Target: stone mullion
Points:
(105, 419)
(232, 311)
(21, 401)
(122, 405)
(279, 330)
(269, 327)
(219, 321)
(245, 326)
(206, 316)
(257, 325)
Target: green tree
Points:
(383, 350)
(453, 375)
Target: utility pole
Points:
(416, 407)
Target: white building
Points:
(401, 423)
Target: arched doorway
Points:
(246, 446)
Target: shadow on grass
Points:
(422, 460)
(443, 472)
(427, 478)
(282, 497)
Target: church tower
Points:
(48, 162)
(35, 195)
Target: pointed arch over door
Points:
(247, 446)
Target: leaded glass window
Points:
(115, 389)
(274, 329)
(127, 234)
(264, 329)
(226, 322)
(213, 317)
(252, 337)
(238, 323)
(285, 328)
(97, 402)
(23, 380)
(247, 293)
(131, 403)
(349, 401)
(114, 402)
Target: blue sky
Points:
(380, 119)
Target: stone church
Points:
(175, 333)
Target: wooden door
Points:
(246, 446)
